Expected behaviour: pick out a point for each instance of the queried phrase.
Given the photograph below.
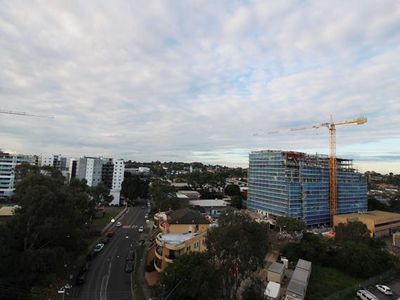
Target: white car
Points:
(384, 289)
(119, 224)
(140, 229)
(98, 247)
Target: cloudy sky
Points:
(194, 80)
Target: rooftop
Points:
(304, 264)
(209, 202)
(7, 211)
(272, 289)
(186, 216)
(276, 267)
(377, 216)
(176, 238)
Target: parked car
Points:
(98, 247)
(140, 229)
(131, 255)
(129, 266)
(384, 289)
(146, 216)
(143, 207)
(81, 278)
(118, 224)
(366, 295)
(105, 240)
(110, 233)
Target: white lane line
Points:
(104, 282)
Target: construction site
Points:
(295, 184)
(312, 188)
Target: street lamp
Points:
(62, 291)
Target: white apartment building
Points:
(117, 179)
(8, 162)
(52, 160)
(89, 168)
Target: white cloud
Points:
(169, 80)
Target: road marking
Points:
(104, 282)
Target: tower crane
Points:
(22, 113)
(332, 155)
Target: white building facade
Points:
(8, 163)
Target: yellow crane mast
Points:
(332, 157)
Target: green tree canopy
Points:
(238, 245)
(163, 195)
(232, 190)
(352, 231)
(236, 201)
(134, 187)
(191, 276)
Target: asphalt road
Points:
(106, 278)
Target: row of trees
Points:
(352, 251)
(39, 243)
(236, 249)
(163, 195)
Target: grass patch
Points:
(137, 286)
(326, 281)
(110, 212)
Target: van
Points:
(366, 295)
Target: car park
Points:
(384, 289)
(140, 229)
(129, 266)
(98, 247)
(118, 224)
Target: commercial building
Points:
(379, 223)
(176, 233)
(211, 207)
(295, 184)
(8, 163)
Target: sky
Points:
(195, 80)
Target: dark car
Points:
(85, 267)
(110, 233)
(129, 266)
(131, 255)
(81, 278)
(105, 240)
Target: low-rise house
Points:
(297, 287)
(176, 233)
(276, 272)
(212, 207)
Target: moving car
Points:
(131, 255)
(98, 247)
(119, 224)
(140, 229)
(384, 289)
(81, 278)
(129, 266)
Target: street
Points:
(106, 278)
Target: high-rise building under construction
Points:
(295, 184)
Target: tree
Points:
(352, 231)
(236, 201)
(101, 194)
(232, 190)
(191, 276)
(290, 224)
(238, 246)
(252, 288)
(164, 196)
(47, 231)
(134, 187)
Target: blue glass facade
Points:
(297, 185)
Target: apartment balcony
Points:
(158, 264)
(159, 252)
(172, 256)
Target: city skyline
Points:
(194, 81)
